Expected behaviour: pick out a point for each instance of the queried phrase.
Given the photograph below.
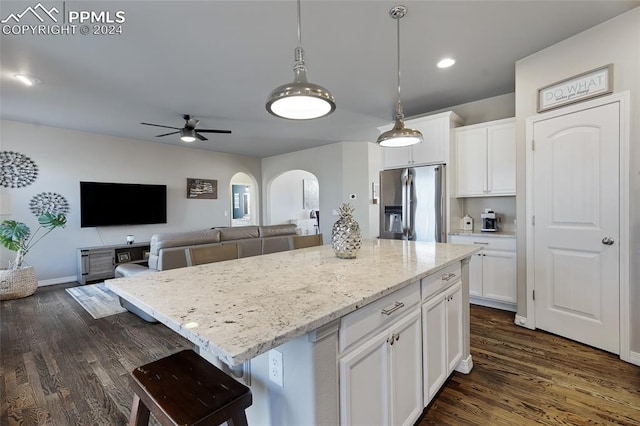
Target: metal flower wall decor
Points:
(16, 170)
(48, 202)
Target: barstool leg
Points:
(139, 412)
(239, 419)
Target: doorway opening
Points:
(244, 200)
(294, 197)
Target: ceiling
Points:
(218, 61)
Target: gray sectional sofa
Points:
(168, 250)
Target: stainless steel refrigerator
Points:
(412, 203)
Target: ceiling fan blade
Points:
(167, 134)
(202, 138)
(160, 125)
(213, 131)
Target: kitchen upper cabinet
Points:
(492, 272)
(436, 130)
(486, 159)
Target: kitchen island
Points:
(312, 314)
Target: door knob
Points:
(607, 241)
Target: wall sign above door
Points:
(581, 87)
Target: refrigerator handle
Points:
(410, 230)
(440, 204)
(405, 184)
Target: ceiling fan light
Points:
(27, 80)
(187, 135)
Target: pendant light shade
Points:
(300, 100)
(399, 135)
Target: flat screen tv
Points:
(110, 204)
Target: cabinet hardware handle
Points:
(396, 306)
(484, 244)
(448, 276)
(397, 337)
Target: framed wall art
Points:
(202, 188)
(578, 88)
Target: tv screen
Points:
(109, 204)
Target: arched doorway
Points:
(294, 197)
(244, 200)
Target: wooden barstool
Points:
(185, 389)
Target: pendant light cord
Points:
(299, 26)
(399, 113)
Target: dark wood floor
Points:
(61, 367)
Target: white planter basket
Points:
(17, 283)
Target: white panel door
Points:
(475, 274)
(471, 164)
(364, 384)
(501, 157)
(499, 275)
(434, 343)
(576, 233)
(396, 157)
(432, 149)
(406, 370)
(453, 297)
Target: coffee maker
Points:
(489, 221)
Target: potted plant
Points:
(18, 280)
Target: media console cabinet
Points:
(99, 263)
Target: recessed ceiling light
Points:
(446, 63)
(27, 80)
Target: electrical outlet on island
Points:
(276, 368)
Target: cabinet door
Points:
(406, 371)
(471, 162)
(432, 149)
(364, 384)
(475, 275)
(396, 157)
(434, 350)
(99, 264)
(501, 157)
(453, 296)
(499, 275)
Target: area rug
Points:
(97, 300)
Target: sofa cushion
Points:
(276, 244)
(238, 233)
(181, 239)
(277, 230)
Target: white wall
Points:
(616, 41)
(489, 109)
(66, 157)
(285, 197)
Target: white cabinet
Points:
(436, 130)
(381, 376)
(442, 341)
(492, 272)
(486, 159)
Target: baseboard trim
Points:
(505, 306)
(634, 358)
(523, 322)
(54, 281)
(465, 366)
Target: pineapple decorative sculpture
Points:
(345, 235)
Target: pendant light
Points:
(300, 100)
(399, 135)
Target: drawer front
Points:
(377, 315)
(440, 280)
(491, 243)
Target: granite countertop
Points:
(242, 308)
(499, 234)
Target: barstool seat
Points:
(185, 389)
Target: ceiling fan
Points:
(188, 133)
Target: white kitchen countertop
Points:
(242, 308)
